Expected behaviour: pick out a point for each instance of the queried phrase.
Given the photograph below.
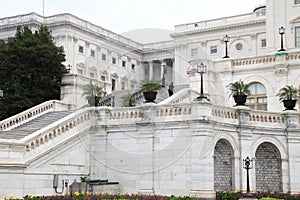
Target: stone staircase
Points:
(34, 125)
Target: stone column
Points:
(173, 71)
(150, 69)
(162, 72)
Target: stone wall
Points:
(223, 166)
(268, 168)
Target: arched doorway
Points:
(268, 168)
(223, 166)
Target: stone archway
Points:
(223, 166)
(268, 168)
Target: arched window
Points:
(257, 99)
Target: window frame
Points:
(93, 53)
(103, 57)
(214, 49)
(297, 36)
(114, 60)
(263, 42)
(256, 104)
(80, 49)
(194, 52)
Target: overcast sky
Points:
(125, 15)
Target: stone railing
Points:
(262, 59)
(82, 119)
(224, 113)
(31, 113)
(182, 96)
(243, 18)
(124, 113)
(158, 46)
(60, 127)
(254, 61)
(193, 110)
(266, 117)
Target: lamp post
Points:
(201, 69)
(226, 40)
(281, 32)
(247, 166)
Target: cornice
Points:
(218, 28)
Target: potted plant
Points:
(239, 90)
(128, 100)
(289, 96)
(93, 93)
(149, 87)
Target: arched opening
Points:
(257, 99)
(223, 166)
(268, 168)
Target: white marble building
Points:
(177, 146)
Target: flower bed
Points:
(89, 196)
(258, 195)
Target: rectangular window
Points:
(133, 67)
(92, 53)
(113, 84)
(123, 85)
(194, 52)
(104, 57)
(80, 49)
(92, 75)
(123, 63)
(297, 36)
(102, 78)
(113, 60)
(297, 1)
(263, 43)
(213, 49)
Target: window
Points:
(257, 99)
(263, 43)
(123, 63)
(104, 57)
(113, 84)
(123, 85)
(92, 75)
(213, 49)
(92, 53)
(132, 86)
(80, 71)
(297, 1)
(113, 60)
(80, 49)
(297, 36)
(194, 52)
(133, 67)
(102, 78)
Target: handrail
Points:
(158, 113)
(59, 127)
(31, 113)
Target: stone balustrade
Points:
(58, 128)
(262, 60)
(31, 113)
(153, 113)
(182, 96)
(224, 21)
(266, 117)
